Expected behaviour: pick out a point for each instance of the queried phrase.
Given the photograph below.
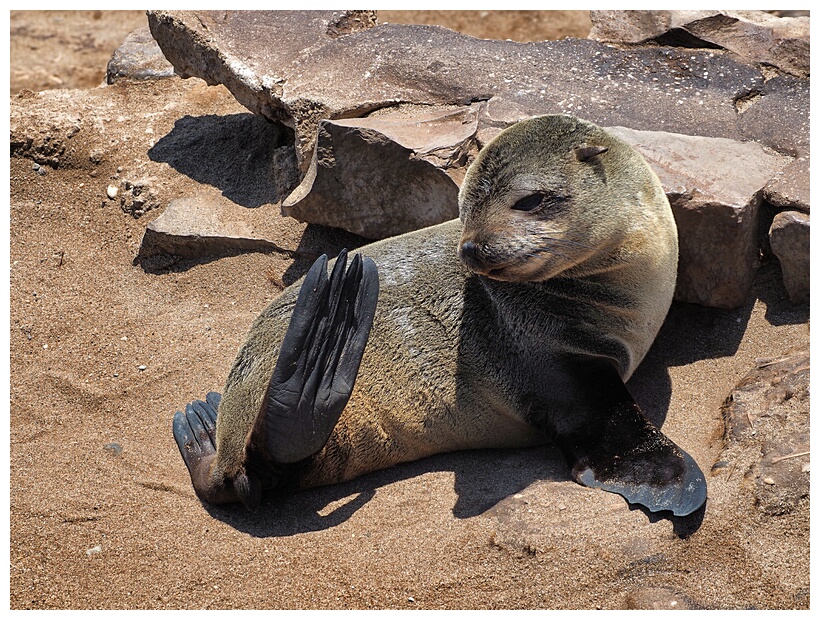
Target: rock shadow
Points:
(689, 333)
(317, 240)
(163, 263)
(249, 158)
(769, 289)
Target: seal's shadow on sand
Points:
(482, 479)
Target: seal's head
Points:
(546, 196)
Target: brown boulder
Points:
(385, 175)
(789, 237)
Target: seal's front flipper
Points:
(195, 434)
(617, 449)
(318, 361)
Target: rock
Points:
(754, 36)
(112, 191)
(777, 115)
(767, 431)
(789, 238)
(138, 197)
(113, 448)
(195, 227)
(42, 135)
(295, 68)
(790, 189)
(284, 66)
(388, 174)
(714, 186)
(138, 58)
(255, 76)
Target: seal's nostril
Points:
(468, 249)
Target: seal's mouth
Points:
(504, 272)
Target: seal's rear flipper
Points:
(617, 449)
(318, 361)
(195, 434)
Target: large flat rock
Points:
(295, 67)
(199, 226)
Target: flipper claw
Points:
(195, 435)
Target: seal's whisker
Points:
(566, 241)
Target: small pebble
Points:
(93, 550)
(142, 367)
(116, 374)
(41, 171)
(411, 599)
(45, 346)
(768, 480)
(805, 468)
(113, 448)
(112, 191)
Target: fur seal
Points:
(568, 258)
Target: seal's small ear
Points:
(583, 153)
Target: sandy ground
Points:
(102, 351)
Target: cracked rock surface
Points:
(285, 66)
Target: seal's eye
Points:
(529, 203)
(546, 203)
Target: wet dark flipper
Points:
(195, 434)
(618, 450)
(318, 361)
